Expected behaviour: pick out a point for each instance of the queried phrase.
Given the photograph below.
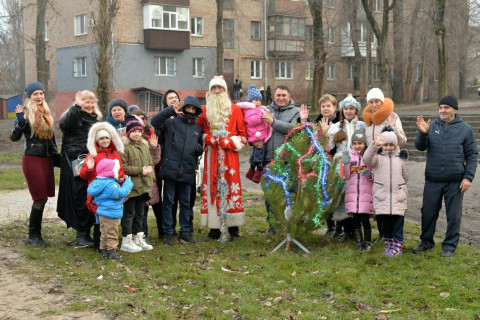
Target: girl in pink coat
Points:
(358, 194)
(390, 187)
(258, 132)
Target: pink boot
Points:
(396, 248)
(388, 246)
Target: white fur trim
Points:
(238, 142)
(92, 134)
(116, 168)
(258, 134)
(203, 138)
(246, 105)
(217, 81)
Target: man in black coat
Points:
(449, 172)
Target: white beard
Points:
(219, 108)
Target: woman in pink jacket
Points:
(358, 194)
(390, 187)
(258, 132)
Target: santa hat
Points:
(389, 135)
(218, 81)
(108, 168)
(375, 93)
(253, 93)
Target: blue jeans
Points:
(236, 95)
(432, 203)
(257, 158)
(182, 191)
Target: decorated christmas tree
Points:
(302, 185)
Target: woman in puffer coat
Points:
(390, 187)
(358, 194)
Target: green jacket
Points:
(135, 157)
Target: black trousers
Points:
(393, 226)
(133, 211)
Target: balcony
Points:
(166, 40)
(284, 47)
(347, 50)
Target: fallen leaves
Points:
(444, 294)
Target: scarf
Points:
(43, 127)
(380, 115)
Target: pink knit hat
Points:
(108, 168)
(389, 135)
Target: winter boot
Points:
(257, 177)
(330, 227)
(82, 241)
(358, 239)
(380, 239)
(104, 253)
(186, 238)
(338, 231)
(367, 238)
(348, 236)
(234, 232)
(113, 255)
(250, 174)
(129, 245)
(214, 234)
(140, 241)
(35, 229)
(388, 246)
(96, 237)
(396, 248)
(169, 239)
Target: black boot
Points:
(330, 227)
(81, 240)
(348, 236)
(367, 245)
(214, 234)
(338, 231)
(381, 238)
(96, 237)
(358, 239)
(35, 229)
(234, 232)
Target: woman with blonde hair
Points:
(72, 192)
(36, 125)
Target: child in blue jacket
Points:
(109, 195)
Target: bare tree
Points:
(465, 39)
(382, 36)
(316, 9)
(104, 17)
(398, 27)
(219, 37)
(440, 33)
(411, 43)
(40, 49)
(357, 60)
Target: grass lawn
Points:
(243, 280)
(13, 179)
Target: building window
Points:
(360, 9)
(283, 69)
(198, 67)
(48, 69)
(331, 35)
(256, 69)
(418, 73)
(330, 3)
(47, 36)
(228, 34)
(166, 17)
(165, 66)
(435, 76)
(80, 24)
(197, 26)
(308, 33)
(420, 13)
(256, 30)
(378, 5)
(331, 71)
(80, 67)
(350, 71)
(290, 27)
(376, 72)
(228, 4)
(228, 66)
(418, 44)
(309, 70)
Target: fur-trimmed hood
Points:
(379, 116)
(91, 142)
(126, 141)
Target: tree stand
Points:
(288, 240)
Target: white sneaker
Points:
(129, 245)
(139, 239)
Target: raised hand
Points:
(380, 141)
(153, 141)
(19, 108)
(325, 124)
(20, 115)
(268, 118)
(177, 106)
(304, 113)
(90, 161)
(345, 157)
(422, 125)
(79, 99)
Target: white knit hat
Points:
(217, 81)
(102, 133)
(375, 93)
(349, 101)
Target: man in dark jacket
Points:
(450, 169)
(183, 145)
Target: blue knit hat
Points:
(34, 86)
(349, 101)
(253, 93)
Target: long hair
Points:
(31, 109)
(219, 108)
(341, 135)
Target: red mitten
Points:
(227, 143)
(211, 140)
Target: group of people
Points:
(113, 171)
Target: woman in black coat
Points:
(72, 192)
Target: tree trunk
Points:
(357, 60)
(422, 73)
(40, 50)
(368, 58)
(316, 10)
(440, 33)
(398, 75)
(219, 37)
(465, 42)
(411, 44)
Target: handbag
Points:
(77, 165)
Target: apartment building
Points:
(171, 44)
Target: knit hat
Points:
(449, 100)
(253, 93)
(132, 107)
(375, 93)
(32, 87)
(117, 102)
(218, 81)
(350, 101)
(359, 135)
(106, 168)
(133, 123)
(389, 135)
(102, 133)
